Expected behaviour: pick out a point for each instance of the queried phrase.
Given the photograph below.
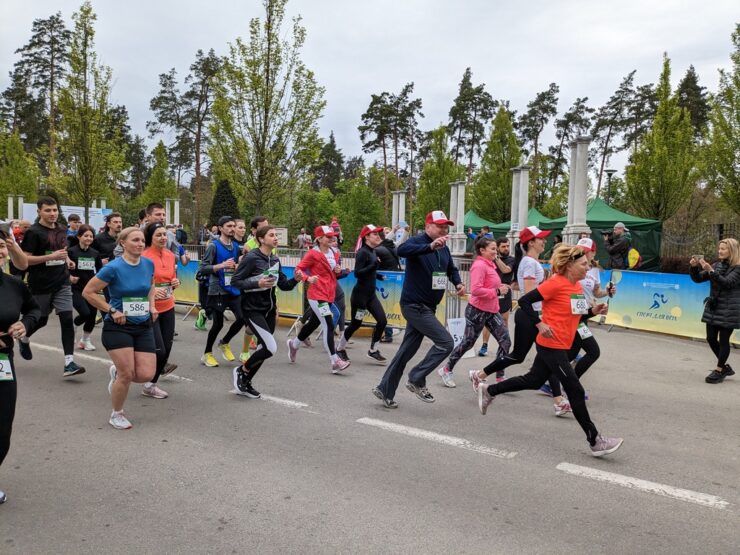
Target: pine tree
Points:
(224, 202)
(375, 134)
(693, 97)
(531, 125)
(24, 113)
(574, 122)
(436, 175)
(329, 170)
(160, 185)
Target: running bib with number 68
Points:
(136, 306)
(439, 280)
(578, 304)
(584, 331)
(324, 309)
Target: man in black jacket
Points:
(618, 245)
(389, 262)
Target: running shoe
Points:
(386, 339)
(484, 399)
(25, 350)
(72, 369)
(119, 421)
(728, 371)
(545, 390)
(200, 321)
(341, 353)
(475, 379)
(252, 343)
(483, 351)
(388, 403)
(500, 379)
(113, 373)
(168, 368)
(339, 366)
(446, 375)
(715, 376)
(225, 349)
(3, 497)
(86, 345)
(377, 357)
(292, 351)
(154, 391)
(421, 392)
(562, 408)
(98, 319)
(244, 356)
(209, 360)
(242, 386)
(605, 445)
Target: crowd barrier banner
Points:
(665, 303)
(187, 293)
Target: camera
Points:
(607, 233)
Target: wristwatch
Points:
(112, 310)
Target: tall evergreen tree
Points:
(531, 124)
(375, 134)
(137, 160)
(160, 185)
(23, 112)
(404, 125)
(353, 167)
(224, 202)
(328, 172)
(693, 97)
(640, 109)
(662, 173)
(438, 172)
(574, 122)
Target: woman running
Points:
(319, 268)
(19, 315)
(257, 275)
(483, 307)
(529, 274)
(165, 282)
(563, 304)
(127, 328)
(363, 298)
(86, 263)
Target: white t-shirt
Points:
(330, 258)
(588, 283)
(529, 268)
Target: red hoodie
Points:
(315, 263)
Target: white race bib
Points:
(360, 314)
(324, 310)
(167, 288)
(86, 264)
(6, 373)
(227, 278)
(136, 306)
(584, 331)
(439, 280)
(54, 262)
(578, 304)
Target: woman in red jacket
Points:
(320, 268)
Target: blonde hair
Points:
(734, 247)
(126, 232)
(563, 255)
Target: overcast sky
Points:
(357, 48)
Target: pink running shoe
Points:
(562, 408)
(339, 366)
(292, 351)
(475, 379)
(484, 398)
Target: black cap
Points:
(223, 220)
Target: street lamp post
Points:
(609, 174)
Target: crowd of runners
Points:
(128, 277)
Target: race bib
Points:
(167, 287)
(227, 278)
(439, 280)
(360, 314)
(324, 310)
(584, 331)
(86, 264)
(136, 306)
(6, 372)
(578, 304)
(54, 262)
(272, 272)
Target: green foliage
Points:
(224, 203)
(662, 173)
(491, 191)
(722, 153)
(573, 123)
(693, 97)
(328, 172)
(19, 172)
(436, 175)
(316, 205)
(355, 207)
(160, 185)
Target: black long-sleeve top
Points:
(254, 266)
(366, 271)
(16, 301)
(76, 253)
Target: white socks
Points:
(68, 359)
(297, 343)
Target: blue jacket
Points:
(421, 261)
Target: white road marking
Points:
(686, 495)
(176, 377)
(439, 438)
(285, 402)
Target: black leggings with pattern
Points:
(475, 320)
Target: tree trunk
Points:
(385, 179)
(603, 160)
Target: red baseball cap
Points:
(532, 232)
(368, 229)
(438, 217)
(324, 231)
(587, 244)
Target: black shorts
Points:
(505, 303)
(220, 303)
(139, 337)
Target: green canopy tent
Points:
(475, 221)
(646, 234)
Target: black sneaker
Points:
(25, 350)
(72, 369)
(249, 391)
(421, 392)
(728, 371)
(388, 403)
(386, 339)
(715, 376)
(376, 356)
(343, 355)
(242, 385)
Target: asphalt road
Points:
(317, 469)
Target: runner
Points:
(504, 267)
(86, 263)
(219, 262)
(17, 301)
(320, 268)
(483, 307)
(127, 329)
(165, 282)
(563, 303)
(257, 275)
(429, 266)
(530, 274)
(363, 298)
(249, 341)
(48, 278)
(106, 241)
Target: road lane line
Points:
(285, 402)
(438, 438)
(686, 495)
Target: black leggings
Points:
(263, 326)
(372, 306)
(546, 363)
(164, 334)
(86, 313)
(592, 353)
(719, 341)
(8, 395)
(218, 304)
(327, 326)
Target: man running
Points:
(105, 241)
(45, 245)
(429, 266)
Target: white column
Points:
(523, 196)
(578, 193)
(10, 207)
(513, 233)
(572, 181)
(453, 203)
(402, 206)
(177, 211)
(394, 209)
(20, 207)
(102, 203)
(168, 216)
(457, 214)
(94, 203)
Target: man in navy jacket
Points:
(429, 266)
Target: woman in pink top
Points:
(482, 310)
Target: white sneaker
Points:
(154, 391)
(113, 372)
(446, 376)
(562, 408)
(119, 421)
(86, 345)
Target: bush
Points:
(674, 264)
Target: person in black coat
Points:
(722, 306)
(389, 262)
